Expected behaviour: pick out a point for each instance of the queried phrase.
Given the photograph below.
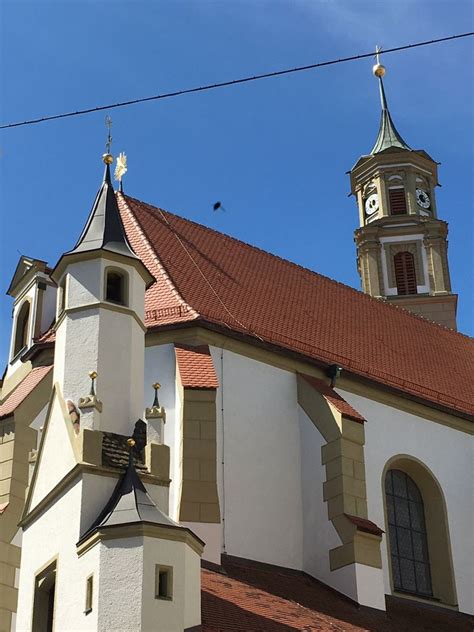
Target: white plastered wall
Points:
(448, 453)
(57, 456)
(127, 588)
(160, 366)
(262, 464)
(109, 341)
(184, 610)
(54, 535)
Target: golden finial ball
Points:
(92, 374)
(130, 442)
(378, 70)
(108, 159)
(156, 386)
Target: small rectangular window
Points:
(89, 594)
(398, 203)
(163, 582)
(115, 288)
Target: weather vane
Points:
(107, 157)
(120, 168)
(378, 69)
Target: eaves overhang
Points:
(86, 255)
(319, 362)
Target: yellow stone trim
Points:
(12, 381)
(413, 247)
(121, 309)
(364, 548)
(142, 529)
(199, 496)
(344, 489)
(437, 526)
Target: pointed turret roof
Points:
(130, 503)
(388, 135)
(104, 229)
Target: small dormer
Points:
(34, 295)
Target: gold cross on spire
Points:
(107, 157)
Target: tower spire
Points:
(388, 135)
(104, 229)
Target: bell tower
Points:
(401, 243)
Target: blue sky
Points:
(275, 152)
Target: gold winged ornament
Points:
(121, 166)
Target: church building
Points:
(197, 435)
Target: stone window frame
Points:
(16, 350)
(62, 295)
(89, 594)
(125, 288)
(414, 503)
(413, 247)
(46, 573)
(160, 568)
(437, 528)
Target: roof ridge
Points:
(301, 267)
(155, 256)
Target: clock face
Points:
(372, 204)
(423, 199)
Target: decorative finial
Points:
(156, 386)
(91, 401)
(378, 69)
(120, 168)
(107, 157)
(93, 376)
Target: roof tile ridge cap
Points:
(300, 267)
(154, 254)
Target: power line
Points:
(233, 82)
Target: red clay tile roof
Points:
(363, 524)
(334, 398)
(196, 368)
(205, 276)
(22, 391)
(48, 336)
(252, 597)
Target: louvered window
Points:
(398, 204)
(405, 274)
(407, 535)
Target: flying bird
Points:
(218, 206)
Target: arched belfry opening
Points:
(418, 542)
(22, 329)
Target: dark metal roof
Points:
(388, 136)
(129, 503)
(104, 229)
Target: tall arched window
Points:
(21, 330)
(405, 273)
(407, 534)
